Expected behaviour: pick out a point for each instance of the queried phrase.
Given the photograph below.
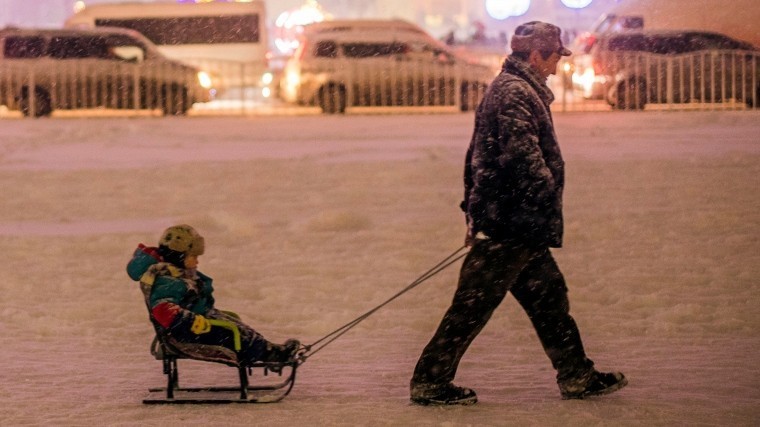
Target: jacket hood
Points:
(142, 259)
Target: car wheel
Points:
(332, 99)
(175, 101)
(631, 95)
(43, 106)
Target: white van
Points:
(348, 63)
(227, 40)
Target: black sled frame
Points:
(245, 392)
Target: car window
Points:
(714, 41)
(24, 47)
(667, 45)
(658, 44)
(368, 50)
(632, 22)
(632, 42)
(616, 24)
(326, 49)
(125, 48)
(67, 47)
(425, 51)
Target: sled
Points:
(170, 352)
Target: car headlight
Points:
(204, 79)
(267, 78)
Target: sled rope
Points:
(332, 336)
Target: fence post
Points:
(31, 95)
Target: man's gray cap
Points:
(537, 35)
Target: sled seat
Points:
(170, 351)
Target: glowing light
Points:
(289, 25)
(204, 79)
(503, 9)
(79, 6)
(576, 4)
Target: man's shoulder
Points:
(509, 89)
(509, 82)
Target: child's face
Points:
(191, 261)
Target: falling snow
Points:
(310, 221)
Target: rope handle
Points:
(307, 351)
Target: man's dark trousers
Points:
(489, 271)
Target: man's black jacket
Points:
(514, 172)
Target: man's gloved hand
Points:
(469, 239)
(200, 325)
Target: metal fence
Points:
(340, 85)
(39, 87)
(702, 81)
(636, 81)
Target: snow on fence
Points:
(702, 80)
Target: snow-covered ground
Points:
(311, 221)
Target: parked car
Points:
(43, 70)
(632, 69)
(379, 63)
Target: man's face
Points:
(545, 67)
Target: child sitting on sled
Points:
(181, 302)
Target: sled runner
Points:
(169, 352)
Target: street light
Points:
(576, 4)
(503, 9)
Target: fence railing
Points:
(633, 81)
(340, 84)
(700, 81)
(37, 87)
